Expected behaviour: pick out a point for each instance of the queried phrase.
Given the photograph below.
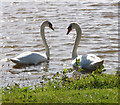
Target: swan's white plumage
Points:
(29, 58)
(34, 57)
(87, 62)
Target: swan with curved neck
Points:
(35, 57)
(89, 62)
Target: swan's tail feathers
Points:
(100, 63)
(15, 60)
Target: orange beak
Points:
(51, 27)
(69, 29)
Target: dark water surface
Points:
(20, 25)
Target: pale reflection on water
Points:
(20, 32)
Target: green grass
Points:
(65, 96)
(88, 88)
(0, 97)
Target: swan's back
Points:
(29, 58)
(88, 62)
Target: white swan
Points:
(89, 62)
(35, 57)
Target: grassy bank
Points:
(65, 96)
(88, 88)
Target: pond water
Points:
(20, 32)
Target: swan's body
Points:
(29, 58)
(89, 62)
(35, 57)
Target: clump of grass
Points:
(94, 87)
(87, 81)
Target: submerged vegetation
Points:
(95, 87)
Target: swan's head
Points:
(49, 24)
(71, 26)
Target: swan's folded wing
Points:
(88, 62)
(29, 58)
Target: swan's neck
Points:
(44, 40)
(77, 40)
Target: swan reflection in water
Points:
(19, 68)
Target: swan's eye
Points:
(70, 27)
(50, 25)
